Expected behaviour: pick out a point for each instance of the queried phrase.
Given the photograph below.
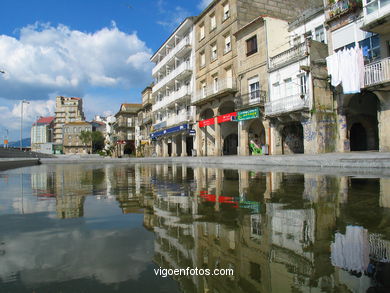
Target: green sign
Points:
(248, 114)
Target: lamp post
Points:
(21, 121)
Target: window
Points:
(255, 225)
(320, 34)
(215, 84)
(254, 88)
(288, 87)
(228, 44)
(276, 90)
(213, 22)
(308, 35)
(201, 32)
(303, 84)
(251, 46)
(226, 11)
(214, 54)
(296, 41)
(202, 59)
(203, 89)
(371, 48)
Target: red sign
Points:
(226, 117)
(207, 122)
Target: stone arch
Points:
(255, 131)
(362, 122)
(229, 129)
(292, 138)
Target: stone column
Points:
(184, 171)
(243, 182)
(243, 139)
(165, 147)
(217, 145)
(198, 140)
(384, 121)
(174, 146)
(343, 144)
(184, 145)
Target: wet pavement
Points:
(108, 227)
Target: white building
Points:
(172, 92)
(42, 133)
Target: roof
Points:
(129, 108)
(99, 122)
(77, 123)
(45, 120)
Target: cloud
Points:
(204, 3)
(171, 18)
(46, 60)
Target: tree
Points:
(86, 137)
(95, 139)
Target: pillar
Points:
(184, 145)
(243, 139)
(243, 182)
(165, 147)
(217, 145)
(198, 140)
(174, 146)
(343, 145)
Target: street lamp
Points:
(21, 121)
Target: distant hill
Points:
(26, 142)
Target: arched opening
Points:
(229, 130)
(358, 137)
(362, 119)
(292, 137)
(207, 142)
(256, 137)
(128, 149)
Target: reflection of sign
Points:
(207, 122)
(226, 117)
(192, 132)
(248, 114)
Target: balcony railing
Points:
(287, 104)
(183, 67)
(223, 85)
(175, 119)
(377, 72)
(375, 9)
(186, 42)
(174, 96)
(289, 55)
(253, 98)
(341, 7)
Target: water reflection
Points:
(111, 225)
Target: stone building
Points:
(172, 92)
(255, 42)
(300, 105)
(362, 117)
(145, 120)
(124, 129)
(216, 79)
(67, 110)
(72, 144)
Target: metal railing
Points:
(287, 104)
(377, 72)
(341, 7)
(174, 119)
(176, 95)
(184, 66)
(291, 54)
(375, 9)
(214, 89)
(183, 43)
(252, 98)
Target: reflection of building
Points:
(124, 128)
(67, 110)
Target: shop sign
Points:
(226, 117)
(248, 114)
(169, 130)
(207, 122)
(192, 132)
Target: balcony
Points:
(288, 104)
(174, 96)
(183, 44)
(377, 73)
(251, 99)
(182, 117)
(289, 56)
(223, 86)
(376, 16)
(339, 8)
(185, 67)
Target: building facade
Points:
(145, 121)
(68, 109)
(42, 133)
(124, 129)
(363, 114)
(172, 93)
(72, 143)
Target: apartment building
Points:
(300, 105)
(144, 125)
(363, 114)
(124, 129)
(68, 109)
(42, 134)
(216, 79)
(255, 42)
(172, 93)
(72, 144)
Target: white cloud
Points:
(47, 59)
(204, 3)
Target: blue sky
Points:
(95, 49)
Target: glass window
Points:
(215, 81)
(251, 45)
(320, 34)
(276, 90)
(226, 11)
(213, 22)
(203, 89)
(228, 44)
(214, 52)
(288, 87)
(202, 59)
(254, 88)
(371, 48)
(303, 84)
(201, 32)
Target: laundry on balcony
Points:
(346, 67)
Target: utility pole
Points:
(21, 121)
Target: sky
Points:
(98, 50)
